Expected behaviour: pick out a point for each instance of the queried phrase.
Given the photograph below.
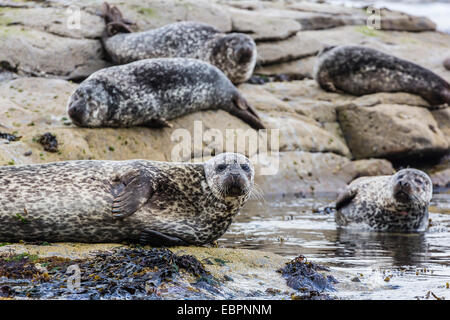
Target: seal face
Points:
(387, 203)
(157, 203)
(360, 70)
(234, 53)
(150, 92)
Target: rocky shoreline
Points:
(326, 139)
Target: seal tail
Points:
(243, 110)
(115, 23)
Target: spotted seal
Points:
(157, 203)
(149, 92)
(387, 203)
(234, 53)
(359, 70)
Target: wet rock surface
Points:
(113, 271)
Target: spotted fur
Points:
(233, 53)
(150, 92)
(387, 203)
(360, 70)
(114, 201)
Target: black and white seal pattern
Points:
(397, 203)
(234, 53)
(150, 92)
(359, 70)
(158, 203)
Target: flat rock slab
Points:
(61, 21)
(38, 53)
(296, 47)
(263, 26)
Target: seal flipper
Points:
(243, 110)
(158, 123)
(345, 197)
(114, 20)
(132, 191)
(158, 239)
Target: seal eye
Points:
(245, 167)
(221, 167)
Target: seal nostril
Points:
(76, 114)
(244, 55)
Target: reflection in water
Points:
(404, 249)
(293, 227)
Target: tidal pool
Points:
(369, 265)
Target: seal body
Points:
(387, 203)
(234, 53)
(158, 203)
(360, 70)
(150, 92)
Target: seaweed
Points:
(121, 273)
(49, 142)
(9, 136)
(304, 277)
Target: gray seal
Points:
(397, 203)
(150, 92)
(360, 70)
(156, 203)
(234, 53)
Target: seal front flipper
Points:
(345, 197)
(131, 191)
(158, 123)
(243, 110)
(158, 239)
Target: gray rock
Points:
(263, 26)
(391, 131)
(38, 53)
(296, 47)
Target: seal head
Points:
(411, 187)
(235, 54)
(230, 175)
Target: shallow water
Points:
(387, 265)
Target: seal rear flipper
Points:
(243, 110)
(345, 197)
(114, 20)
(131, 192)
(158, 239)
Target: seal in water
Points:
(233, 53)
(387, 203)
(359, 71)
(157, 203)
(150, 92)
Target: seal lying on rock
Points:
(387, 203)
(233, 53)
(359, 71)
(158, 203)
(150, 92)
